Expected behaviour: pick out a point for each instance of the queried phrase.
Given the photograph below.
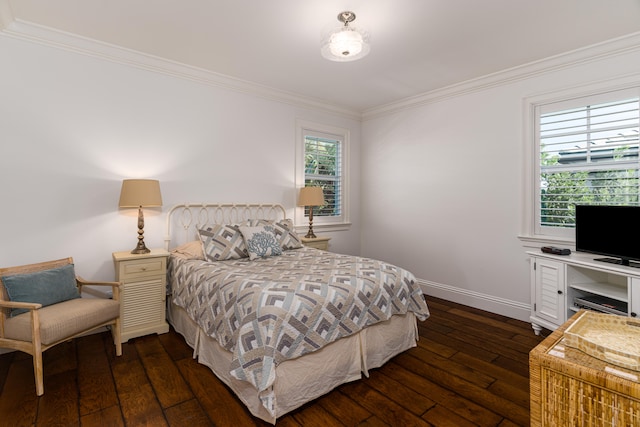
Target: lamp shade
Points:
(311, 196)
(140, 192)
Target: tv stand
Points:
(619, 261)
(563, 284)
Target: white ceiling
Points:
(417, 45)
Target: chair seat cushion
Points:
(63, 320)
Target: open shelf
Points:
(608, 290)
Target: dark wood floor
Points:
(469, 369)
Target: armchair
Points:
(40, 306)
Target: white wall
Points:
(73, 126)
(443, 183)
(441, 190)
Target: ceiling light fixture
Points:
(345, 43)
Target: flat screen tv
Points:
(613, 231)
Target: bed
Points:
(280, 323)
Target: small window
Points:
(587, 154)
(323, 168)
(322, 163)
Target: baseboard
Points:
(493, 304)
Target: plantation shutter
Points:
(588, 155)
(323, 168)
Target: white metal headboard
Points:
(184, 220)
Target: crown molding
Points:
(16, 28)
(610, 48)
(24, 30)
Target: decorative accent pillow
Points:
(46, 287)
(283, 230)
(189, 250)
(222, 242)
(261, 241)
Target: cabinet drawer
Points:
(132, 269)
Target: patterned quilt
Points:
(273, 309)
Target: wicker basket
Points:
(571, 388)
(614, 339)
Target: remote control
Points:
(555, 251)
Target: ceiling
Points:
(417, 45)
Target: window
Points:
(322, 160)
(587, 153)
(323, 168)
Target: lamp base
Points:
(141, 250)
(310, 235)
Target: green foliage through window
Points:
(323, 169)
(588, 155)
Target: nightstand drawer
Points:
(144, 268)
(321, 243)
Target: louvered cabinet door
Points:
(143, 295)
(548, 308)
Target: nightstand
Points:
(143, 294)
(321, 243)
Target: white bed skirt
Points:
(301, 380)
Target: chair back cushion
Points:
(46, 287)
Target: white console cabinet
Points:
(562, 284)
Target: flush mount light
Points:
(345, 43)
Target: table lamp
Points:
(311, 196)
(139, 193)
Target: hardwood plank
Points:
(111, 417)
(18, 402)
(495, 370)
(460, 345)
(216, 400)
(381, 406)
(520, 366)
(443, 417)
(497, 324)
(343, 408)
(401, 371)
(497, 404)
(187, 414)
(5, 362)
(94, 373)
(163, 374)
(61, 358)
(399, 393)
(467, 373)
(487, 342)
(175, 345)
(373, 422)
(137, 400)
(59, 404)
(315, 416)
(440, 348)
(517, 395)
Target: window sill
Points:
(536, 242)
(343, 226)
